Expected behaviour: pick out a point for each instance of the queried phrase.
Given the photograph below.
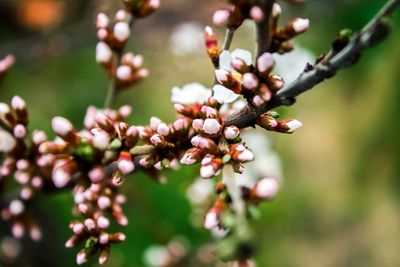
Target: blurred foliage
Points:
(339, 202)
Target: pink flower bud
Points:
(16, 207)
(276, 10)
(22, 164)
(103, 53)
(37, 182)
(17, 103)
(221, 17)
(122, 31)
(125, 163)
(256, 13)
(90, 224)
(18, 230)
(211, 126)
(266, 188)
(124, 73)
(104, 238)
(121, 15)
(26, 193)
(103, 222)
(81, 257)
(96, 174)
(101, 140)
(154, 122)
(231, 132)
(60, 177)
(102, 34)
(154, 4)
(211, 220)
(222, 76)
(300, 25)
(78, 228)
(245, 156)
(61, 126)
(102, 21)
(35, 233)
(38, 137)
(103, 202)
(258, 101)
(293, 125)
(250, 81)
(163, 129)
(197, 124)
(265, 62)
(207, 171)
(4, 109)
(19, 131)
(179, 124)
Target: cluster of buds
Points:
(173, 254)
(168, 140)
(213, 144)
(113, 39)
(141, 8)
(5, 64)
(104, 140)
(237, 12)
(280, 37)
(94, 204)
(84, 159)
(265, 189)
(256, 83)
(24, 162)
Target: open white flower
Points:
(221, 93)
(190, 93)
(290, 65)
(187, 38)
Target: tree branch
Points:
(142, 150)
(370, 35)
(228, 38)
(263, 28)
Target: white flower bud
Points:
(16, 207)
(221, 17)
(211, 126)
(211, 220)
(61, 126)
(300, 25)
(122, 31)
(124, 72)
(266, 188)
(293, 125)
(103, 53)
(102, 21)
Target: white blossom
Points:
(290, 65)
(190, 93)
(187, 38)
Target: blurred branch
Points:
(374, 32)
(230, 32)
(263, 28)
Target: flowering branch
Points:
(93, 161)
(374, 32)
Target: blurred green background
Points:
(339, 204)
